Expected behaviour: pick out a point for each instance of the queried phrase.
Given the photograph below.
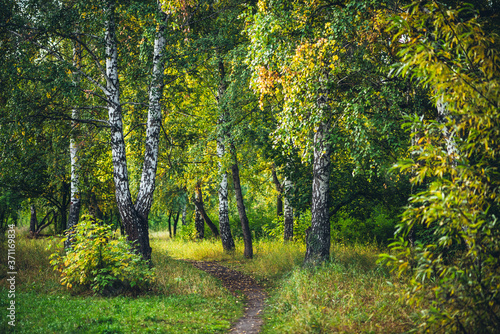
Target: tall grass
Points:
(272, 258)
(350, 294)
(32, 263)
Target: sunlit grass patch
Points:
(56, 313)
(183, 299)
(32, 264)
(349, 294)
(174, 276)
(272, 258)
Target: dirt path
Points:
(233, 280)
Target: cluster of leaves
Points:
(457, 267)
(276, 228)
(102, 262)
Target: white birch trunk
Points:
(318, 240)
(224, 227)
(288, 210)
(199, 223)
(184, 213)
(134, 218)
(225, 230)
(74, 148)
(132, 224)
(147, 185)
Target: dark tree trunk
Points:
(33, 221)
(170, 224)
(175, 222)
(245, 226)
(279, 189)
(225, 229)
(198, 202)
(43, 224)
(318, 240)
(63, 209)
(198, 224)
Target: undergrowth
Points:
(183, 299)
(351, 293)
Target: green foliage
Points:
(187, 232)
(183, 300)
(379, 227)
(276, 228)
(100, 261)
(457, 265)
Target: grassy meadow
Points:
(351, 294)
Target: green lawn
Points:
(183, 300)
(350, 294)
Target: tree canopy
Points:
(315, 121)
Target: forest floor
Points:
(237, 282)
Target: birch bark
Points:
(199, 225)
(225, 230)
(134, 217)
(288, 210)
(318, 240)
(279, 190)
(74, 149)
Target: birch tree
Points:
(134, 217)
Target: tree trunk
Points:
(184, 212)
(198, 202)
(74, 148)
(245, 226)
(44, 224)
(63, 209)
(33, 221)
(225, 229)
(288, 219)
(134, 217)
(198, 224)
(147, 185)
(279, 189)
(175, 222)
(170, 224)
(318, 240)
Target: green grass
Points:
(182, 300)
(351, 294)
(62, 313)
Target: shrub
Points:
(102, 262)
(455, 266)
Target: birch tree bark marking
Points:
(288, 210)
(318, 241)
(225, 230)
(74, 149)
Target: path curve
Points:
(233, 280)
